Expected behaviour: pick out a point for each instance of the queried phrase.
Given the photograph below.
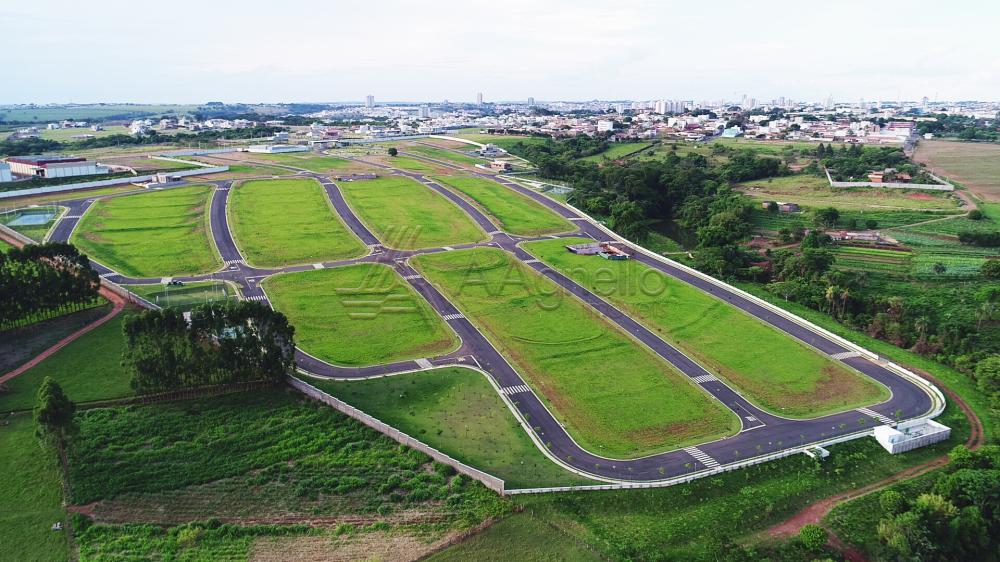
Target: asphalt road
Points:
(762, 433)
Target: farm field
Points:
(514, 212)
(30, 496)
(615, 397)
(228, 457)
(884, 219)
(187, 296)
(290, 221)
(778, 373)
(361, 314)
(151, 234)
(305, 160)
(519, 537)
(88, 369)
(458, 412)
(405, 214)
(444, 154)
(892, 263)
(973, 164)
(617, 150)
(812, 191)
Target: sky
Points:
(182, 51)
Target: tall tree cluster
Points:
(40, 280)
(219, 343)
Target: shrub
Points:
(813, 537)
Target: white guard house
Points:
(910, 435)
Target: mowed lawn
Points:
(362, 314)
(514, 212)
(411, 164)
(30, 496)
(616, 398)
(285, 222)
(305, 160)
(151, 234)
(772, 369)
(444, 154)
(88, 369)
(458, 412)
(407, 215)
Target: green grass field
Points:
(285, 222)
(411, 164)
(458, 412)
(30, 496)
(305, 160)
(775, 371)
(444, 154)
(151, 234)
(503, 141)
(514, 212)
(87, 369)
(615, 397)
(519, 537)
(407, 215)
(813, 191)
(186, 297)
(361, 314)
(617, 150)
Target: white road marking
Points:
(531, 261)
(165, 280)
(447, 248)
(256, 298)
(424, 364)
(414, 276)
(701, 457)
(317, 266)
(845, 355)
(876, 415)
(455, 316)
(704, 378)
(234, 262)
(516, 389)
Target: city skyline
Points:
(587, 50)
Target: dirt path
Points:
(814, 513)
(118, 304)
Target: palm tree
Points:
(845, 294)
(831, 294)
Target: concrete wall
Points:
(943, 186)
(491, 482)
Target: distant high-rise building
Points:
(531, 102)
(479, 98)
(924, 101)
(423, 112)
(369, 101)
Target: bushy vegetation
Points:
(221, 343)
(41, 281)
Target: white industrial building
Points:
(910, 435)
(277, 148)
(5, 174)
(54, 166)
(604, 126)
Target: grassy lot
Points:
(618, 150)
(519, 537)
(444, 154)
(407, 215)
(151, 234)
(186, 297)
(65, 195)
(503, 141)
(615, 397)
(285, 222)
(266, 455)
(813, 191)
(976, 165)
(411, 164)
(243, 171)
(776, 372)
(30, 496)
(458, 412)
(305, 160)
(87, 369)
(359, 315)
(514, 212)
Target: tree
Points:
(988, 376)
(54, 413)
(939, 268)
(975, 215)
(393, 151)
(991, 269)
(871, 224)
(772, 206)
(827, 217)
(813, 537)
(892, 502)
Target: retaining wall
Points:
(491, 482)
(107, 183)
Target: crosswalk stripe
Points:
(845, 355)
(876, 415)
(455, 316)
(414, 276)
(531, 261)
(518, 389)
(256, 298)
(318, 266)
(234, 262)
(108, 274)
(72, 216)
(704, 378)
(577, 219)
(447, 248)
(424, 364)
(701, 457)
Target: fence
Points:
(107, 183)
(491, 482)
(942, 186)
